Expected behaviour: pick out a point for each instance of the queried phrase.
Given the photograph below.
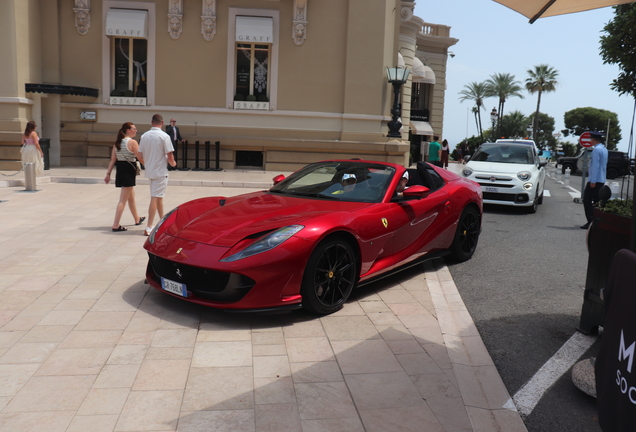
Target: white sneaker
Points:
(147, 231)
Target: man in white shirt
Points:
(156, 152)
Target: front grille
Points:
(205, 283)
(497, 185)
(201, 278)
(517, 198)
(490, 177)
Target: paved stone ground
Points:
(86, 345)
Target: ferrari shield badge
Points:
(385, 223)
(179, 250)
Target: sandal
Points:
(119, 228)
(141, 220)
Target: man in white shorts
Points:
(155, 149)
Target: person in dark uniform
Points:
(175, 136)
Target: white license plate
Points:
(174, 287)
(491, 189)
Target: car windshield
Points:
(338, 181)
(504, 153)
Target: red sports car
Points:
(310, 239)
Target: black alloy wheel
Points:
(466, 236)
(612, 173)
(330, 275)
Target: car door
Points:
(421, 225)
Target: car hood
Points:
(251, 214)
(500, 168)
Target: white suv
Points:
(509, 173)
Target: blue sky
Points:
(495, 39)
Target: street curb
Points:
(487, 401)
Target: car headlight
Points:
(268, 242)
(467, 172)
(527, 186)
(524, 175)
(155, 230)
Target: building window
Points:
(129, 63)
(128, 52)
(252, 66)
(253, 62)
(421, 96)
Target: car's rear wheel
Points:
(612, 173)
(330, 275)
(466, 236)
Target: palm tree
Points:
(475, 112)
(503, 86)
(542, 79)
(476, 92)
(513, 125)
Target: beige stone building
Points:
(278, 83)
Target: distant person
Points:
(435, 152)
(156, 153)
(31, 151)
(460, 152)
(175, 137)
(596, 177)
(465, 151)
(445, 153)
(123, 157)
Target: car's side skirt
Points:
(418, 261)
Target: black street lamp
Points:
(396, 76)
(493, 119)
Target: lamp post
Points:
(493, 119)
(396, 76)
(530, 131)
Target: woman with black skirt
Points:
(123, 157)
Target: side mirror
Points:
(279, 178)
(416, 191)
(542, 164)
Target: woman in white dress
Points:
(31, 151)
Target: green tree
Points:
(475, 92)
(618, 46)
(513, 125)
(471, 143)
(542, 79)
(570, 149)
(580, 120)
(502, 86)
(544, 132)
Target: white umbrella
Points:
(535, 9)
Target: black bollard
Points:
(217, 145)
(184, 157)
(196, 157)
(207, 156)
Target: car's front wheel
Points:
(612, 173)
(535, 205)
(330, 275)
(466, 236)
